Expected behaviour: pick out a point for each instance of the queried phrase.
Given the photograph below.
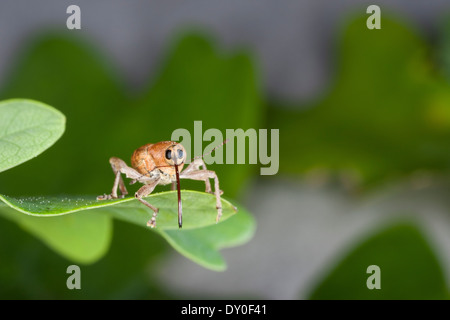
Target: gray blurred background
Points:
(294, 43)
(290, 39)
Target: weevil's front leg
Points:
(205, 175)
(119, 166)
(144, 191)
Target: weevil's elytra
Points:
(161, 163)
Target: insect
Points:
(161, 163)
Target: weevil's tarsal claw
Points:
(110, 196)
(212, 192)
(219, 214)
(151, 223)
(104, 197)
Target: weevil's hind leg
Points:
(119, 166)
(123, 189)
(205, 175)
(144, 191)
(118, 182)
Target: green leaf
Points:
(82, 237)
(409, 269)
(30, 269)
(79, 227)
(199, 208)
(201, 245)
(27, 128)
(386, 115)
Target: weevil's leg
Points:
(144, 191)
(205, 175)
(113, 194)
(173, 186)
(119, 166)
(195, 166)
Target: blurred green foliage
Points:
(82, 237)
(386, 115)
(29, 270)
(408, 269)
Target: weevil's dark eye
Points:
(180, 154)
(168, 154)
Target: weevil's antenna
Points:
(212, 150)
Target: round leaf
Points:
(27, 128)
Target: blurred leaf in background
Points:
(30, 270)
(442, 54)
(66, 74)
(82, 237)
(386, 115)
(409, 268)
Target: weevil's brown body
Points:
(161, 163)
(149, 161)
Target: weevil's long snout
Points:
(180, 209)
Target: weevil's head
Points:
(164, 154)
(174, 157)
(175, 154)
(167, 154)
